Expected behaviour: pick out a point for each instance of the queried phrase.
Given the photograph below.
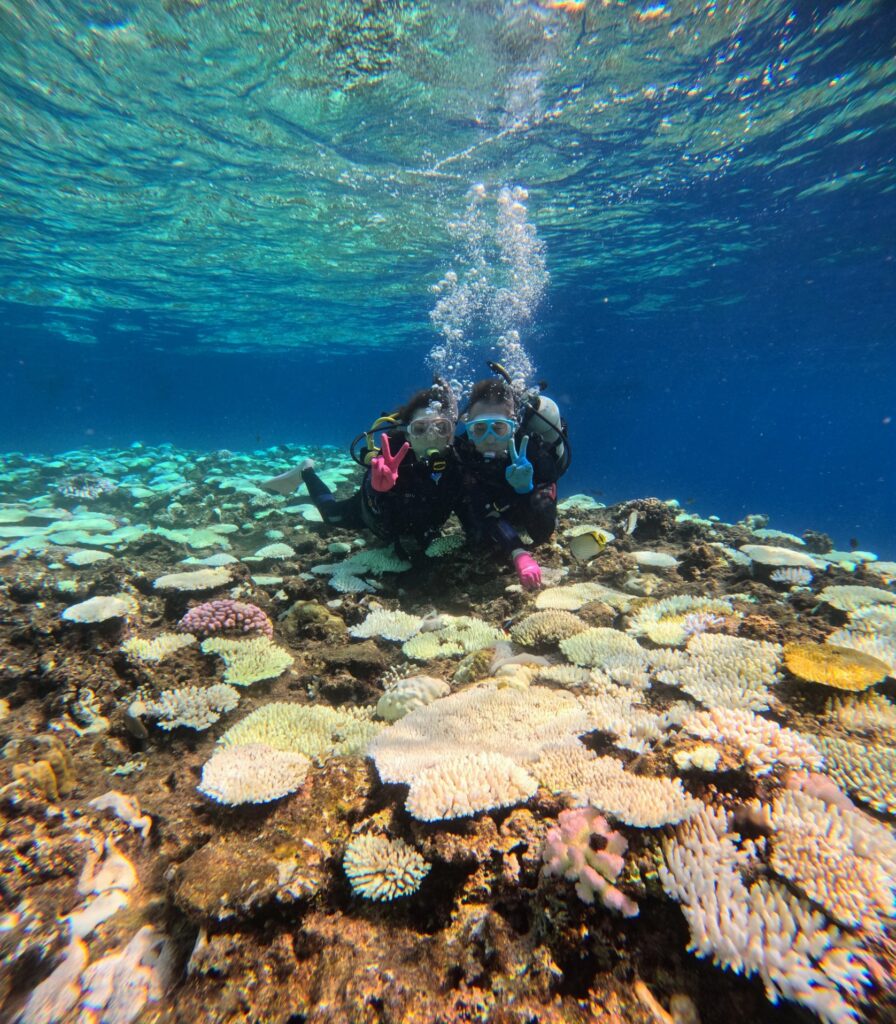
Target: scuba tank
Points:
(540, 415)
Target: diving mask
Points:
(431, 426)
(498, 426)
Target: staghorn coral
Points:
(759, 928)
(583, 848)
(838, 857)
(252, 773)
(868, 772)
(384, 869)
(829, 665)
(225, 616)
(726, 671)
(248, 661)
(763, 744)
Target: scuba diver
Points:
(412, 480)
(512, 451)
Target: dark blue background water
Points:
(780, 402)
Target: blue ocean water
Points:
(722, 336)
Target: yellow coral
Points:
(839, 667)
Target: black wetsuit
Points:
(424, 496)
(491, 511)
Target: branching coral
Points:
(583, 848)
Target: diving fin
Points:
(286, 483)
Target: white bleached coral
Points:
(456, 787)
(762, 744)
(575, 595)
(839, 857)
(408, 693)
(640, 800)
(663, 621)
(158, 648)
(726, 671)
(611, 710)
(853, 598)
(314, 730)
(759, 928)
(766, 554)
(388, 624)
(443, 746)
(380, 868)
(192, 707)
(99, 609)
(252, 773)
(546, 627)
(195, 581)
(869, 772)
(870, 714)
(248, 661)
(605, 648)
(458, 634)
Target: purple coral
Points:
(584, 849)
(225, 616)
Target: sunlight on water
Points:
(160, 157)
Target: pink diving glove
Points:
(528, 571)
(384, 467)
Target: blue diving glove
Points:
(519, 473)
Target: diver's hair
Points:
(492, 390)
(436, 396)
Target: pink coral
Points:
(225, 616)
(584, 849)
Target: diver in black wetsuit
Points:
(512, 454)
(412, 481)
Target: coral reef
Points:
(583, 848)
(359, 843)
(225, 616)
